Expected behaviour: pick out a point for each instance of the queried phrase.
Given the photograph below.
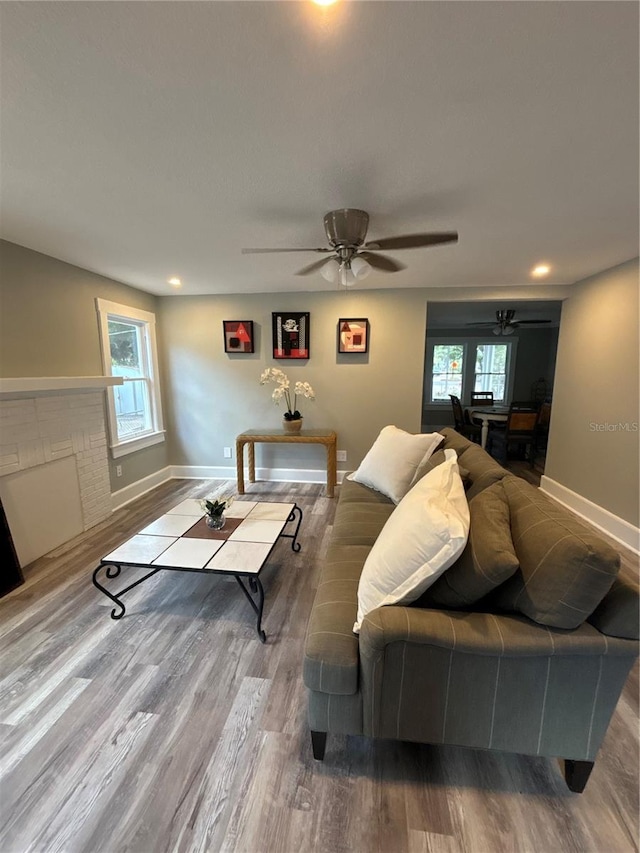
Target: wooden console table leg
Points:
(252, 462)
(240, 466)
(331, 468)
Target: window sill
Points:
(125, 447)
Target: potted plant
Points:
(214, 509)
(292, 419)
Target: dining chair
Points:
(519, 430)
(524, 406)
(462, 421)
(482, 398)
(541, 431)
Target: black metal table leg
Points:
(112, 570)
(255, 586)
(295, 545)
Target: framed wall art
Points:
(238, 335)
(353, 335)
(290, 334)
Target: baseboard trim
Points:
(203, 472)
(212, 472)
(276, 475)
(619, 529)
(124, 496)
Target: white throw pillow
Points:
(390, 465)
(423, 536)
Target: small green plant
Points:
(216, 506)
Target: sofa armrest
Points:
(489, 681)
(487, 634)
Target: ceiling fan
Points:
(506, 324)
(350, 258)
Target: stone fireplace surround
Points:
(43, 420)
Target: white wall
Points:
(594, 443)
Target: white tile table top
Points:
(139, 549)
(272, 511)
(242, 557)
(190, 506)
(171, 525)
(260, 530)
(189, 553)
(239, 509)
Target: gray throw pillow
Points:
(431, 462)
(566, 569)
(488, 559)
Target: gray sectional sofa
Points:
(526, 653)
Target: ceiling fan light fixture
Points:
(360, 268)
(497, 330)
(347, 278)
(508, 330)
(330, 270)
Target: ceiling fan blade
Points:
(522, 322)
(413, 241)
(492, 323)
(382, 262)
(313, 267)
(265, 251)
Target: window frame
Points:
(446, 342)
(146, 321)
(468, 345)
(508, 373)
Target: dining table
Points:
(487, 415)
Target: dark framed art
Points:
(353, 335)
(290, 334)
(238, 335)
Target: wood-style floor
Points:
(175, 729)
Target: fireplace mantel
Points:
(36, 386)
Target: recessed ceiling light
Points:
(540, 271)
(175, 281)
(324, 2)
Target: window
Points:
(491, 369)
(127, 336)
(458, 366)
(446, 372)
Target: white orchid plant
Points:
(283, 391)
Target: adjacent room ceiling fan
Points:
(350, 258)
(506, 324)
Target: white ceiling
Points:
(148, 139)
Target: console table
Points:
(278, 436)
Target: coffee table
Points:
(180, 541)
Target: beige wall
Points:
(212, 396)
(49, 327)
(597, 384)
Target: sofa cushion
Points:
(453, 440)
(483, 470)
(488, 559)
(421, 539)
(617, 614)
(566, 569)
(360, 523)
(352, 492)
(430, 462)
(392, 461)
(331, 649)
